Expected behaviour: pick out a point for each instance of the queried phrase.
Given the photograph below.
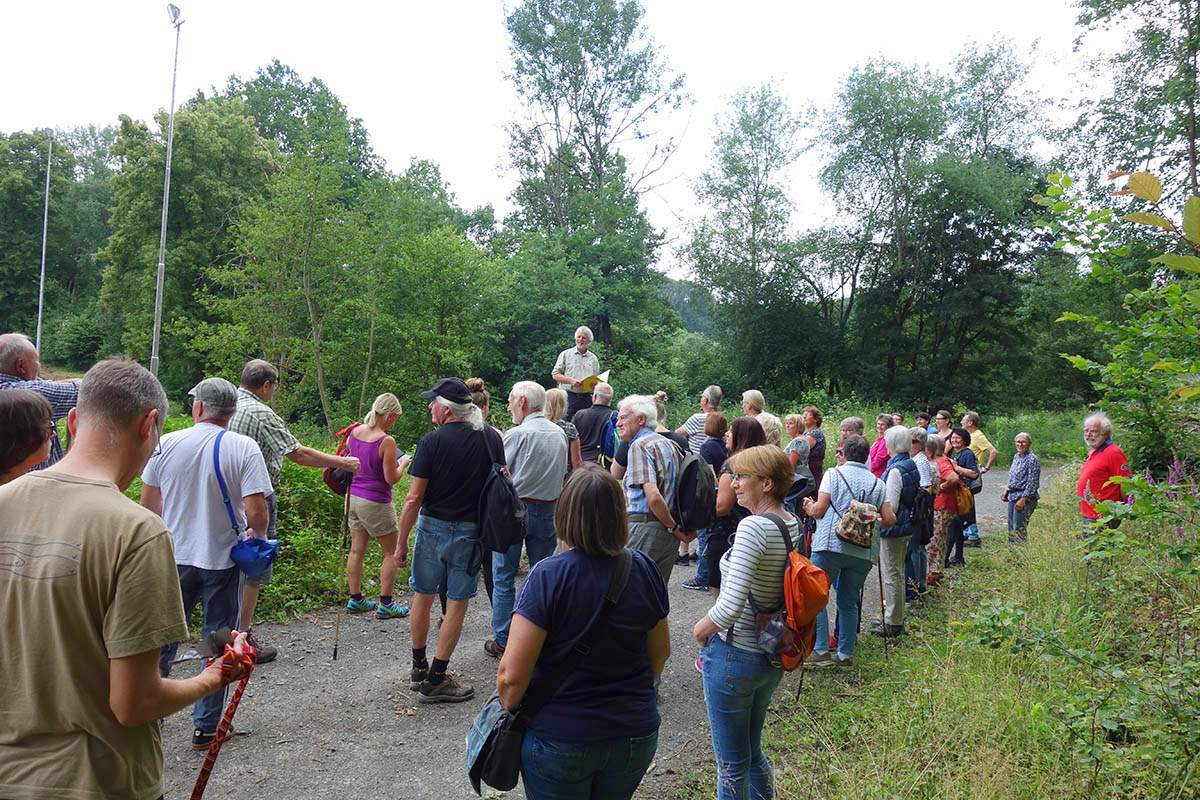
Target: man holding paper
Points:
(574, 367)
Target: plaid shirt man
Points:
(62, 397)
(256, 419)
(652, 459)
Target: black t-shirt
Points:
(590, 424)
(455, 460)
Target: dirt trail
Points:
(317, 728)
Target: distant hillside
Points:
(693, 304)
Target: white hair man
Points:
(590, 423)
(693, 429)
(574, 365)
(649, 483)
(448, 473)
(89, 605)
(1104, 461)
(208, 485)
(535, 451)
(19, 367)
(256, 419)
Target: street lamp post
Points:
(49, 134)
(173, 11)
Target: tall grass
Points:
(937, 716)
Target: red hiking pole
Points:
(228, 661)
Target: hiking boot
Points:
(266, 653)
(448, 691)
(201, 740)
(695, 583)
(683, 560)
(838, 661)
(973, 543)
(493, 649)
(392, 610)
(888, 631)
(418, 676)
(816, 659)
(359, 606)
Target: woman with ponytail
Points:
(372, 515)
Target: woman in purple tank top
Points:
(371, 513)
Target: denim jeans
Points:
(738, 685)
(540, 541)
(607, 770)
(1020, 519)
(218, 593)
(846, 575)
(701, 565)
(445, 555)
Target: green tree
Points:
(219, 164)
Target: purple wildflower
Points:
(1178, 468)
(1179, 530)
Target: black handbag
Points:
(494, 741)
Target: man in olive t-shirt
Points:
(88, 595)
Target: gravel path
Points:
(318, 728)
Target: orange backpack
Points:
(788, 633)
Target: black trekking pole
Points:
(882, 607)
(337, 623)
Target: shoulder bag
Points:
(494, 741)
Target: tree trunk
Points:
(316, 337)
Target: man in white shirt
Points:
(180, 484)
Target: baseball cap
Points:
(453, 389)
(215, 393)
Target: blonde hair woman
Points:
(772, 427)
(371, 513)
(556, 406)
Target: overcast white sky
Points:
(428, 78)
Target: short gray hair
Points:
(115, 392)
(854, 423)
(257, 372)
(898, 439)
(534, 394)
(1105, 423)
(643, 405)
(919, 434)
(712, 396)
(603, 392)
(12, 347)
(973, 418)
(466, 412)
(886, 418)
(587, 330)
(1026, 435)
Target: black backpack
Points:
(501, 512)
(695, 494)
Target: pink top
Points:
(369, 483)
(879, 457)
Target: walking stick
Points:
(228, 660)
(882, 607)
(337, 623)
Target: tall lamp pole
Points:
(173, 11)
(49, 133)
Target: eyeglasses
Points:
(741, 476)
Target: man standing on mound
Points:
(572, 366)
(87, 606)
(448, 472)
(206, 510)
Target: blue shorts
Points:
(445, 551)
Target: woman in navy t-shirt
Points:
(597, 735)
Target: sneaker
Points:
(816, 659)
(973, 543)
(448, 691)
(695, 583)
(418, 676)
(493, 649)
(359, 606)
(695, 558)
(392, 610)
(266, 653)
(838, 661)
(201, 740)
(699, 666)
(683, 560)
(888, 631)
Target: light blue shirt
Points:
(535, 452)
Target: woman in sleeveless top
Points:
(371, 514)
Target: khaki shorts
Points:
(377, 519)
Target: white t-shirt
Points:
(192, 504)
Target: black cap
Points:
(453, 389)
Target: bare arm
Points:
(408, 516)
(525, 642)
(558, 376)
(258, 516)
(658, 647)
(992, 453)
(794, 457)
(658, 504)
(725, 495)
(887, 517)
(138, 694)
(817, 508)
(392, 471)
(309, 457)
(576, 455)
(617, 470)
(152, 498)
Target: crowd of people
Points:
(110, 582)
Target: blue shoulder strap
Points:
(221, 481)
